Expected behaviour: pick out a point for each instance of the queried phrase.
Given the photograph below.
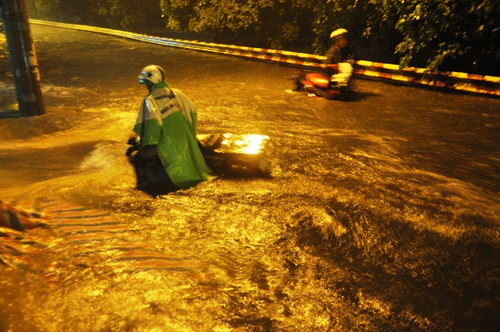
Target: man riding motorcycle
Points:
(333, 83)
(339, 54)
(166, 126)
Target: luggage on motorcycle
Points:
(235, 155)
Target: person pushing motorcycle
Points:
(166, 126)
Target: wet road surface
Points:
(382, 213)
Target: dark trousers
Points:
(144, 156)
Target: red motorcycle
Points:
(320, 83)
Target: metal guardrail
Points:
(458, 81)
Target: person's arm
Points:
(333, 55)
(148, 125)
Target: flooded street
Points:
(381, 213)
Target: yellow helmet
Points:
(338, 33)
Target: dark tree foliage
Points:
(438, 34)
(330, 15)
(1, 20)
(266, 23)
(444, 33)
(139, 16)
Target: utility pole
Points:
(22, 57)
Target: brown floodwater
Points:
(381, 213)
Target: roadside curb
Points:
(458, 81)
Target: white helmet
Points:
(338, 33)
(152, 73)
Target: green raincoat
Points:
(167, 119)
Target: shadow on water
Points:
(41, 164)
(446, 279)
(8, 114)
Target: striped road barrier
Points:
(458, 81)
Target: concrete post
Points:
(22, 57)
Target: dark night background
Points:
(460, 35)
